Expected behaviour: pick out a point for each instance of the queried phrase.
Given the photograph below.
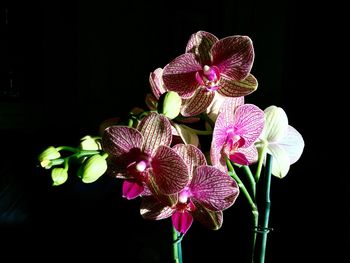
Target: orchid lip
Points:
(209, 77)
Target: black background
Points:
(76, 63)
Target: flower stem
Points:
(251, 179)
(177, 250)
(264, 229)
(250, 200)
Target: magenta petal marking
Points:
(192, 156)
(239, 158)
(213, 189)
(234, 56)
(118, 140)
(197, 103)
(249, 123)
(180, 75)
(250, 153)
(200, 44)
(156, 82)
(182, 220)
(210, 219)
(131, 189)
(156, 131)
(169, 171)
(238, 88)
(152, 209)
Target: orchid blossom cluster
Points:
(160, 153)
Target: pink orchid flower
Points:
(209, 192)
(211, 65)
(236, 129)
(143, 157)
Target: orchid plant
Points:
(160, 153)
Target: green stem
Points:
(67, 148)
(206, 118)
(233, 174)
(261, 242)
(251, 179)
(253, 205)
(177, 250)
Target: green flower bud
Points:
(170, 104)
(92, 168)
(90, 143)
(59, 176)
(50, 153)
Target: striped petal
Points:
(191, 155)
(152, 209)
(233, 56)
(251, 153)
(180, 75)
(170, 172)
(156, 131)
(249, 123)
(237, 88)
(210, 219)
(156, 82)
(198, 103)
(119, 140)
(200, 44)
(222, 124)
(213, 189)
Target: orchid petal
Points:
(182, 221)
(156, 82)
(237, 88)
(191, 155)
(168, 199)
(118, 140)
(131, 189)
(293, 143)
(198, 103)
(152, 209)
(228, 109)
(187, 136)
(214, 108)
(249, 123)
(210, 219)
(234, 56)
(280, 160)
(276, 124)
(180, 75)
(251, 153)
(200, 44)
(169, 171)
(222, 125)
(156, 131)
(214, 189)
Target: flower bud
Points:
(90, 143)
(50, 153)
(92, 168)
(170, 104)
(59, 176)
